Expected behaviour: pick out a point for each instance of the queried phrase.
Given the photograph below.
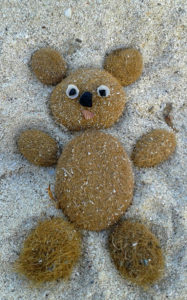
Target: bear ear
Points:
(48, 66)
(124, 64)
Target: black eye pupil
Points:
(72, 92)
(102, 93)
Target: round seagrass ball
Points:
(94, 180)
(38, 147)
(106, 110)
(136, 253)
(124, 64)
(153, 148)
(50, 251)
(48, 66)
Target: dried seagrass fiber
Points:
(153, 148)
(38, 147)
(94, 180)
(50, 251)
(124, 64)
(48, 66)
(105, 110)
(136, 253)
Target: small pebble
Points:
(51, 172)
(68, 13)
(134, 244)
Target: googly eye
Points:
(103, 91)
(72, 91)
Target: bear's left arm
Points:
(154, 148)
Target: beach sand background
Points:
(83, 31)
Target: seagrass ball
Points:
(50, 251)
(88, 98)
(94, 180)
(124, 64)
(48, 66)
(153, 148)
(38, 147)
(136, 252)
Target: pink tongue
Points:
(87, 114)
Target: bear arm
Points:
(153, 148)
(38, 148)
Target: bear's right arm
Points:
(38, 148)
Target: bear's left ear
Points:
(48, 66)
(124, 64)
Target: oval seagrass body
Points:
(94, 180)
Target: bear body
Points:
(94, 180)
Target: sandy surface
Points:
(83, 35)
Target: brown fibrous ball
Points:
(136, 253)
(48, 66)
(106, 110)
(94, 180)
(124, 64)
(153, 148)
(50, 251)
(38, 147)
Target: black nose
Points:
(86, 99)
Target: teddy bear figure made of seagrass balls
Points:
(94, 178)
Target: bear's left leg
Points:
(136, 252)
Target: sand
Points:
(83, 31)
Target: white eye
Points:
(103, 91)
(72, 91)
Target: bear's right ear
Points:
(124, 64)
(48, 66)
